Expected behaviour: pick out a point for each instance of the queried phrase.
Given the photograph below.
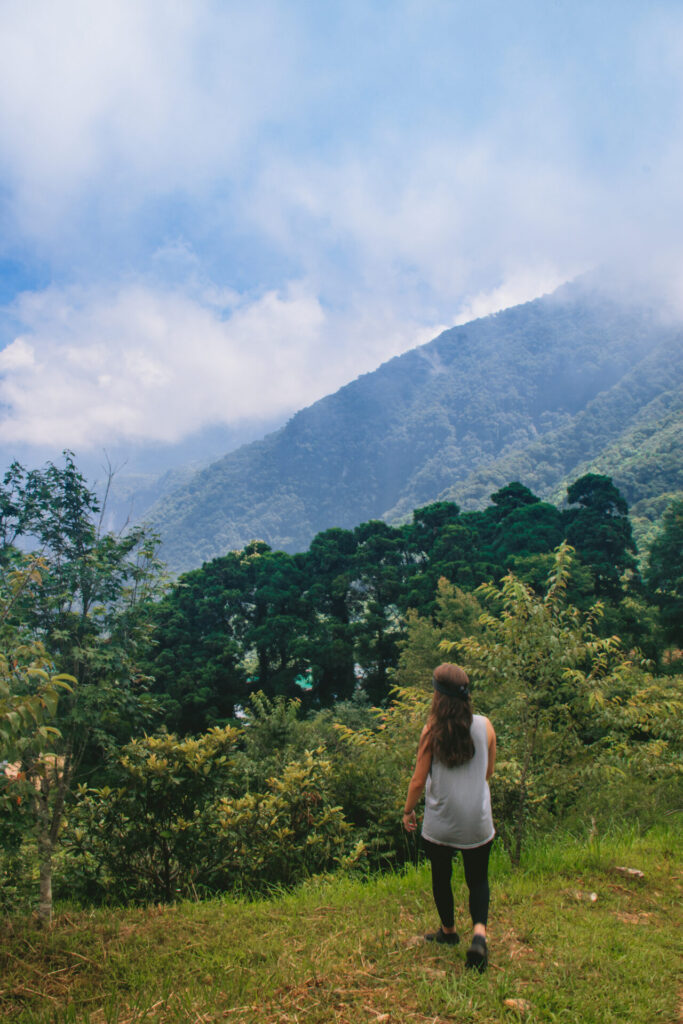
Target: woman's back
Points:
(457, 800)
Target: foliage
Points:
(176, 821)
(600, 531)
(266, 663)
(664, 576)
(85, 601)
(285, 834)
(540, 671)
(456, 615)
(144, 835)
(315, 626)
(29, 695)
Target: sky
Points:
(214, 213)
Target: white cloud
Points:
(522, 286)
(402, 177)
(137, 364)
(121, 102)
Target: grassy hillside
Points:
(351, 951)
(526, 394)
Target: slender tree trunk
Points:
(523, 794)
(45, 860)
(45, 849)
(49, 819)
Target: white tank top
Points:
(458, 800)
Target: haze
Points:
(216, 213)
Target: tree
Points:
(29, 687)
(600, 531)
(456, 615)
(528, 530)
(200, 639)
(329, 568)
(88, 608)
(142, 836)
(428, 524)
(664, 576)
(382, 566)
(539, 670)
(511, 498)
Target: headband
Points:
(461, 690)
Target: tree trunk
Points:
(49, 819)
(523, 795)
(45, 848)
(45, 861)
(516, 855)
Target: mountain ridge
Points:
(460, 408)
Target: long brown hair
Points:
(451, 716)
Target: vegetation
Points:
(544, 393)
(315, 625)
(256, 724)
(79, 602)
(571, 938)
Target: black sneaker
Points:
(450, 938)
(477, 955)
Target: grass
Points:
(348, 951)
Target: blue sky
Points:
(214, 213)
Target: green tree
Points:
(600, 531)
(540, 672)
(329, 567)
(89, 610)
(664, 576)
(143, 835)
(382, 566)
(456, 615)
(200, 639)
(528, 530)
(29, 687)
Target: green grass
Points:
(345, 950)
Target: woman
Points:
(455, 760)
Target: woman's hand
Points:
(410, 822)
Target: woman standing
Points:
(455, 760)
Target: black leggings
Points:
(476, 863)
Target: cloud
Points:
(244, 206)
(105, 108)
(140, 364)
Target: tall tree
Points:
(382, 568)
(88, 610)
(197, 660)
(329, 567)
(664, 575)
(539, 670)
(599, 529)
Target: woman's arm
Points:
(491, 735)
(418, 781)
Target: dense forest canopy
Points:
(334, 615)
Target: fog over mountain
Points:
(539, 392)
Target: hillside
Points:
(531, 393)
(351, 951)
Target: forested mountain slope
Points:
(533, 393)
(631, 432)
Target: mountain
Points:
(539, 393)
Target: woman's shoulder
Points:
(486, 722)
